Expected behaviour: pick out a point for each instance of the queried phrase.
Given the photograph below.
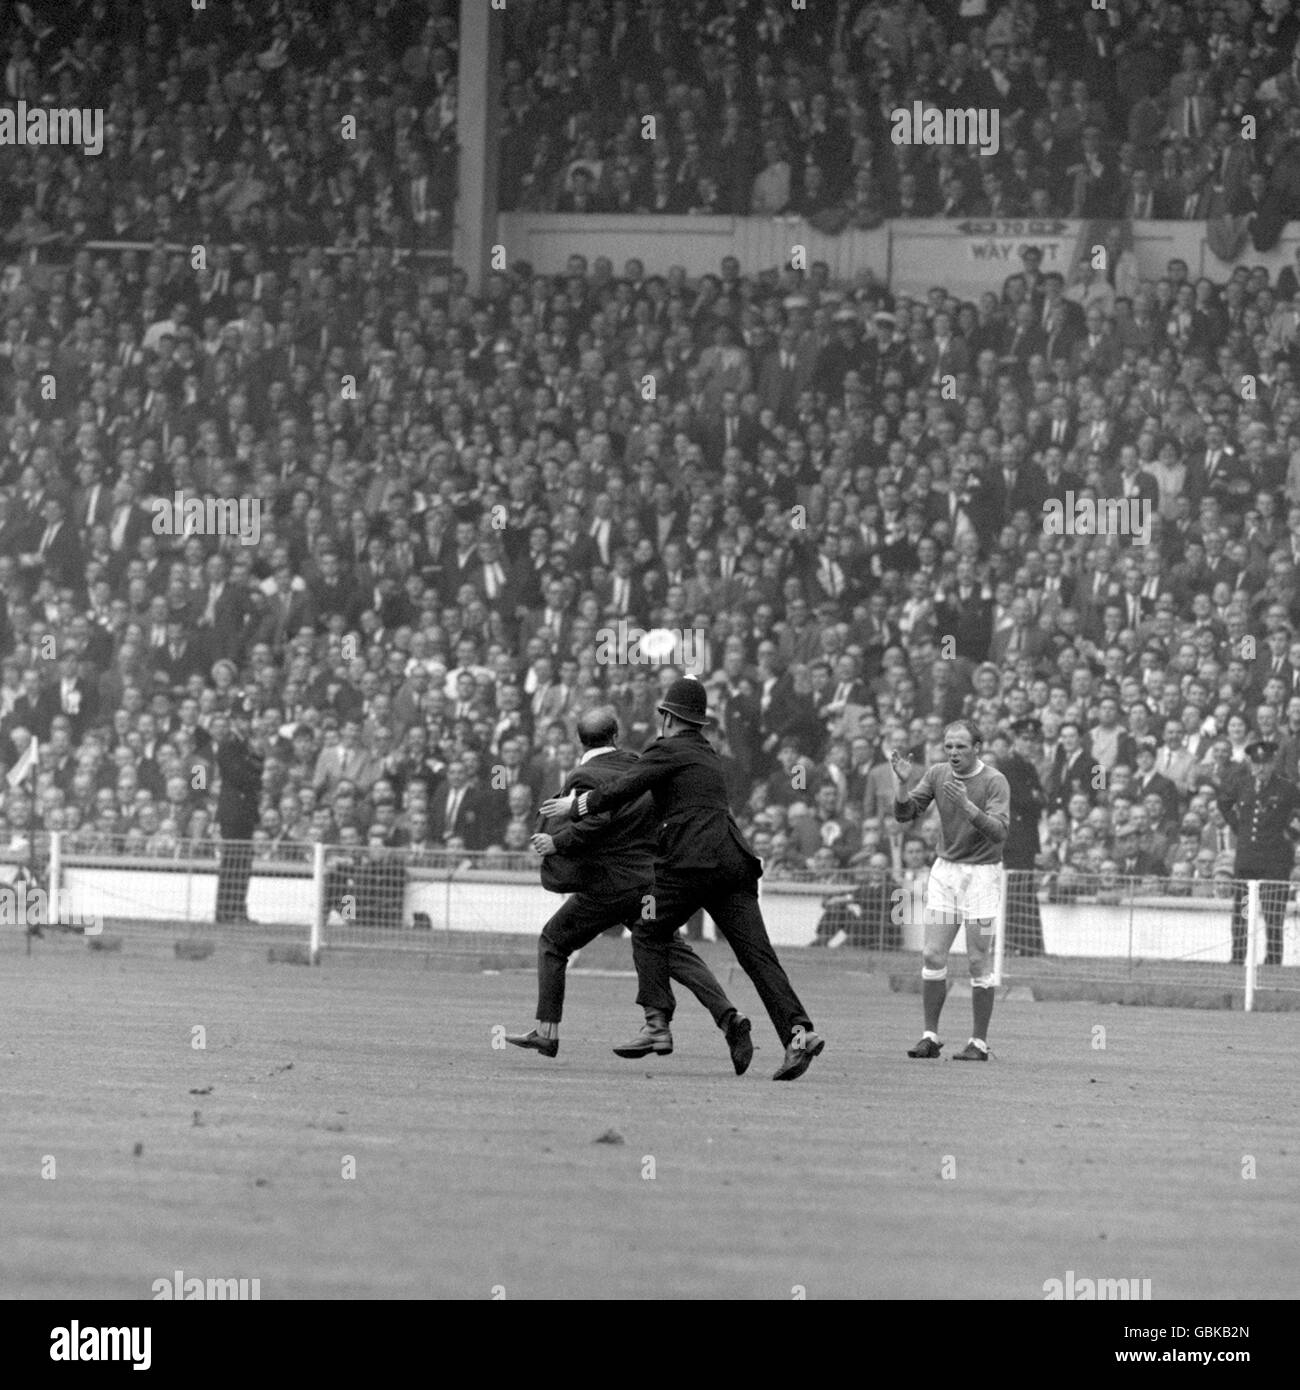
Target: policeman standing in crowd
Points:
(1262, 810)
(240, 766)
(1021, 848)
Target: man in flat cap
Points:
(1262, 811)
(1021, 848)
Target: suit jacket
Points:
(63, 561)
(610, 853)
(697, 834)
(474, 817)
(1159, 785)
(1034, 644)
(1063, 781)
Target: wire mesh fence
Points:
(1058, 929)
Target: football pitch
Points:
(352, 1132)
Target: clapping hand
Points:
(902, 766)
(955, 795)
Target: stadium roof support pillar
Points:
(478, 127)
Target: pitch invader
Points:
(965, 883)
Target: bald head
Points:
(598, 728)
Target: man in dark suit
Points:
(1148, 782)
(703, 861)
(56, 551)
(1021, 847)
(730, 429)
(181, 657)
(606, 863)
(240, 766)
(77, 699)
(459, 810)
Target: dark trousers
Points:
(1272, 902)
(581, 920)
(233, 872)
(1024, 921)
(733, 905)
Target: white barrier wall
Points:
(547, 240)
(1186, 929)
(967, 256)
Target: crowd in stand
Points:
(227, 124)
(461, 497)
(442, 563)
(1131, 110)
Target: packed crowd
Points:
(1122, 111)
(464, 503)
(442, 564)
(227, 125)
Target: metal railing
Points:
(1126, 935)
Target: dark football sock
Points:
(933, 993)
(982, 1006)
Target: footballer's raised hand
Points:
(902, 766)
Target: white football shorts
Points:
(964, 892)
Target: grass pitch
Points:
(476, 1173)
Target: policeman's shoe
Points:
(799, 1053)
(534, 1042)
(927, 1047)
(971, 1053)
(653, 1037)
(739, 1043)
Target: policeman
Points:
(702, 861)
(1021, 848)
(1262, 810)
(240, 764)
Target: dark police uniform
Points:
(237, 808)
(1019, 853)
(1262, 816)
(607, 862)
(702, 862)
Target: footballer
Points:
(974, 811)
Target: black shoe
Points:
(739, 1043)
(651, 1038)
(927, 1047)
(534, 1041)
(799, 1053)
(970, 1053)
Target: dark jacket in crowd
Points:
(241, 786)
(1021, 846)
